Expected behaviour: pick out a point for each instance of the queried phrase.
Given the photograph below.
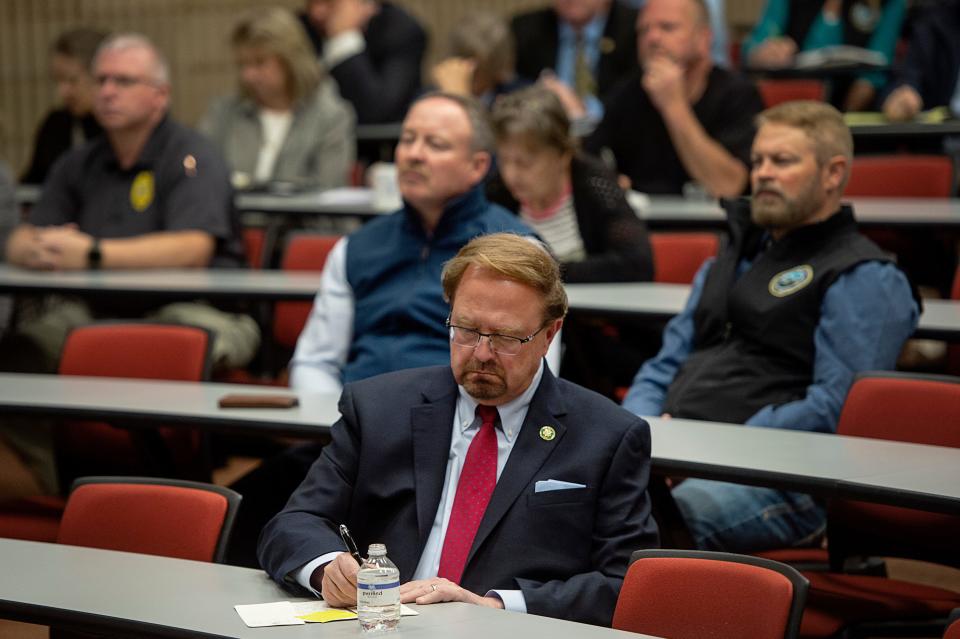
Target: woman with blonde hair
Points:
(287, 123)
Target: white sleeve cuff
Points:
(512, 599)
(302, 575)
(339, 48)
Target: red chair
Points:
(953, 630)
(167, 517)
(901, 176)
(678, 256)
(304, 252)
(115, 349)
(774, 92)
(139, 350)
(689, 594)
(922, 409)
(253, 243)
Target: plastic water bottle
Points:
(378, 592)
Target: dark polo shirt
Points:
(178, 183)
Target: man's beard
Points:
(779, 211)
(484, 387)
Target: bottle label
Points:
(386, 594)
(386, 586)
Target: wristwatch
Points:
(94, 256)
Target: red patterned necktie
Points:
(477, 481)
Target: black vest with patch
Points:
(753, 341)
(860, 19)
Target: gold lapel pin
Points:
(547, 433)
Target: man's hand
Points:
(349, 15)
(663, 80)
(338, 585)
(24, 249)
(572, 104)
(65, 248)
(437, 590)
(455, 75)
(774, 52)
(903, 104)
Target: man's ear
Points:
(479, 165)
(834, 173)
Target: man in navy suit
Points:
(559, 472)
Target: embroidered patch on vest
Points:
(791, 280)
(864, 16)
(141, 191)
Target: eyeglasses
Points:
(123, 81)
(500, 344)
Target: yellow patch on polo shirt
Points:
(142, 191)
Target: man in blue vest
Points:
(778, 324)
(380, 307)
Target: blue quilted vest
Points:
(393, 267)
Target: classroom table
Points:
(827, 465)
(926, 477)
(675, 211)
(247, 284)
(646, 300)
(905, 131)
(149, 596)
(657, 211)
(642, 300)
(170, 403)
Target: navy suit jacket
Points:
(381, 82)
(383, 472)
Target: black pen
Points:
(350, 543)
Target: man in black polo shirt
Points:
(150, 194)
(679, 119)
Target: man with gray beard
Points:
(778, 325)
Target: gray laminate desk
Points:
(190, 404)
(827, 465)
(869, 211)
(940, 318)
(162, 597)
(167, 283)
(894, 473)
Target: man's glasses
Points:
(123, 81)
(500, 344)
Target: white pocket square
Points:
(546, 485)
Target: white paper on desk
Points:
(308, 607)
(278, 613)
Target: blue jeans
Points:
(737, 518)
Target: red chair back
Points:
(901, 176)
(254, 240)
(919, 409)
(186, 520)
(953, 630)
(709, 595)
(304, 252)
(774, 92)
(678, 256)
(138, 350)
